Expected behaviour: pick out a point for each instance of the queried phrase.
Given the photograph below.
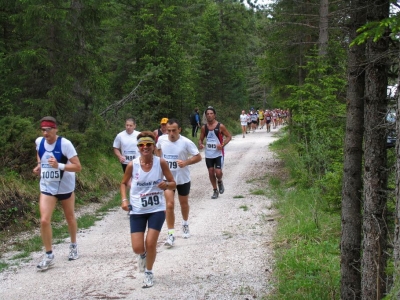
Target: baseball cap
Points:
(164, 121)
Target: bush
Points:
(17, 144)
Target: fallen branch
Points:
(120, 103)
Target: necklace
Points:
(146, 164)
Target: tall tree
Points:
(396, 238)
(350, 259)
(374, 256)
(323, 27)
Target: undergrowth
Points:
(308, 234)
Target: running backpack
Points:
(192, 119)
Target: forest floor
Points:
(228, 256)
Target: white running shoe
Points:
(170, 241)
(148, 280)
(185, 231)
(73, 252)
(141, 263)
(46, 263)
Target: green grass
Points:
(306, 242)
(238, 197)
(306, 249)
(3, 266)
(244, 207)
(259, 192)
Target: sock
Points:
(148, 271)
(49, 252)
(74, 245)
(185, 222)
(171, 231)
(143, 255)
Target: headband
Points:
(145, 140)
(47, 123)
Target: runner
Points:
(248, 128)
(254, 119)
(274, 116)
(261, 118)
(125, 143)
(268, 120)
(162, 129)
(146, 202)
(57, 163)
(214, 152)
(179, 152)
(243, 122)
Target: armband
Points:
(123, 200)
(61, 166)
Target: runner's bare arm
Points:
(226, 133)
(170, 183)
(123, 186)
(202, 136)
(118, 154)
(192, 160)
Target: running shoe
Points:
(73, 252)
(148, 280)
(185, 231)
(141, 263)
(215, 194)
(221, 187)
(46, 263)
(170, 241)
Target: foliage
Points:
(377, 29)
(317, 122)
(17, 137)
(307, 255)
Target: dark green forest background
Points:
(93, 63)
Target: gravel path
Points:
(228, 256)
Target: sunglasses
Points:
(46, 129)
(147, 145)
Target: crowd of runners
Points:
(155, 167)
(258, 118)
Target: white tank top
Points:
(212, 142)
(145, 196)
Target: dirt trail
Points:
(228, 256)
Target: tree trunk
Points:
(350, 262)
(396, 238)
(323, 27)
(375, 175)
